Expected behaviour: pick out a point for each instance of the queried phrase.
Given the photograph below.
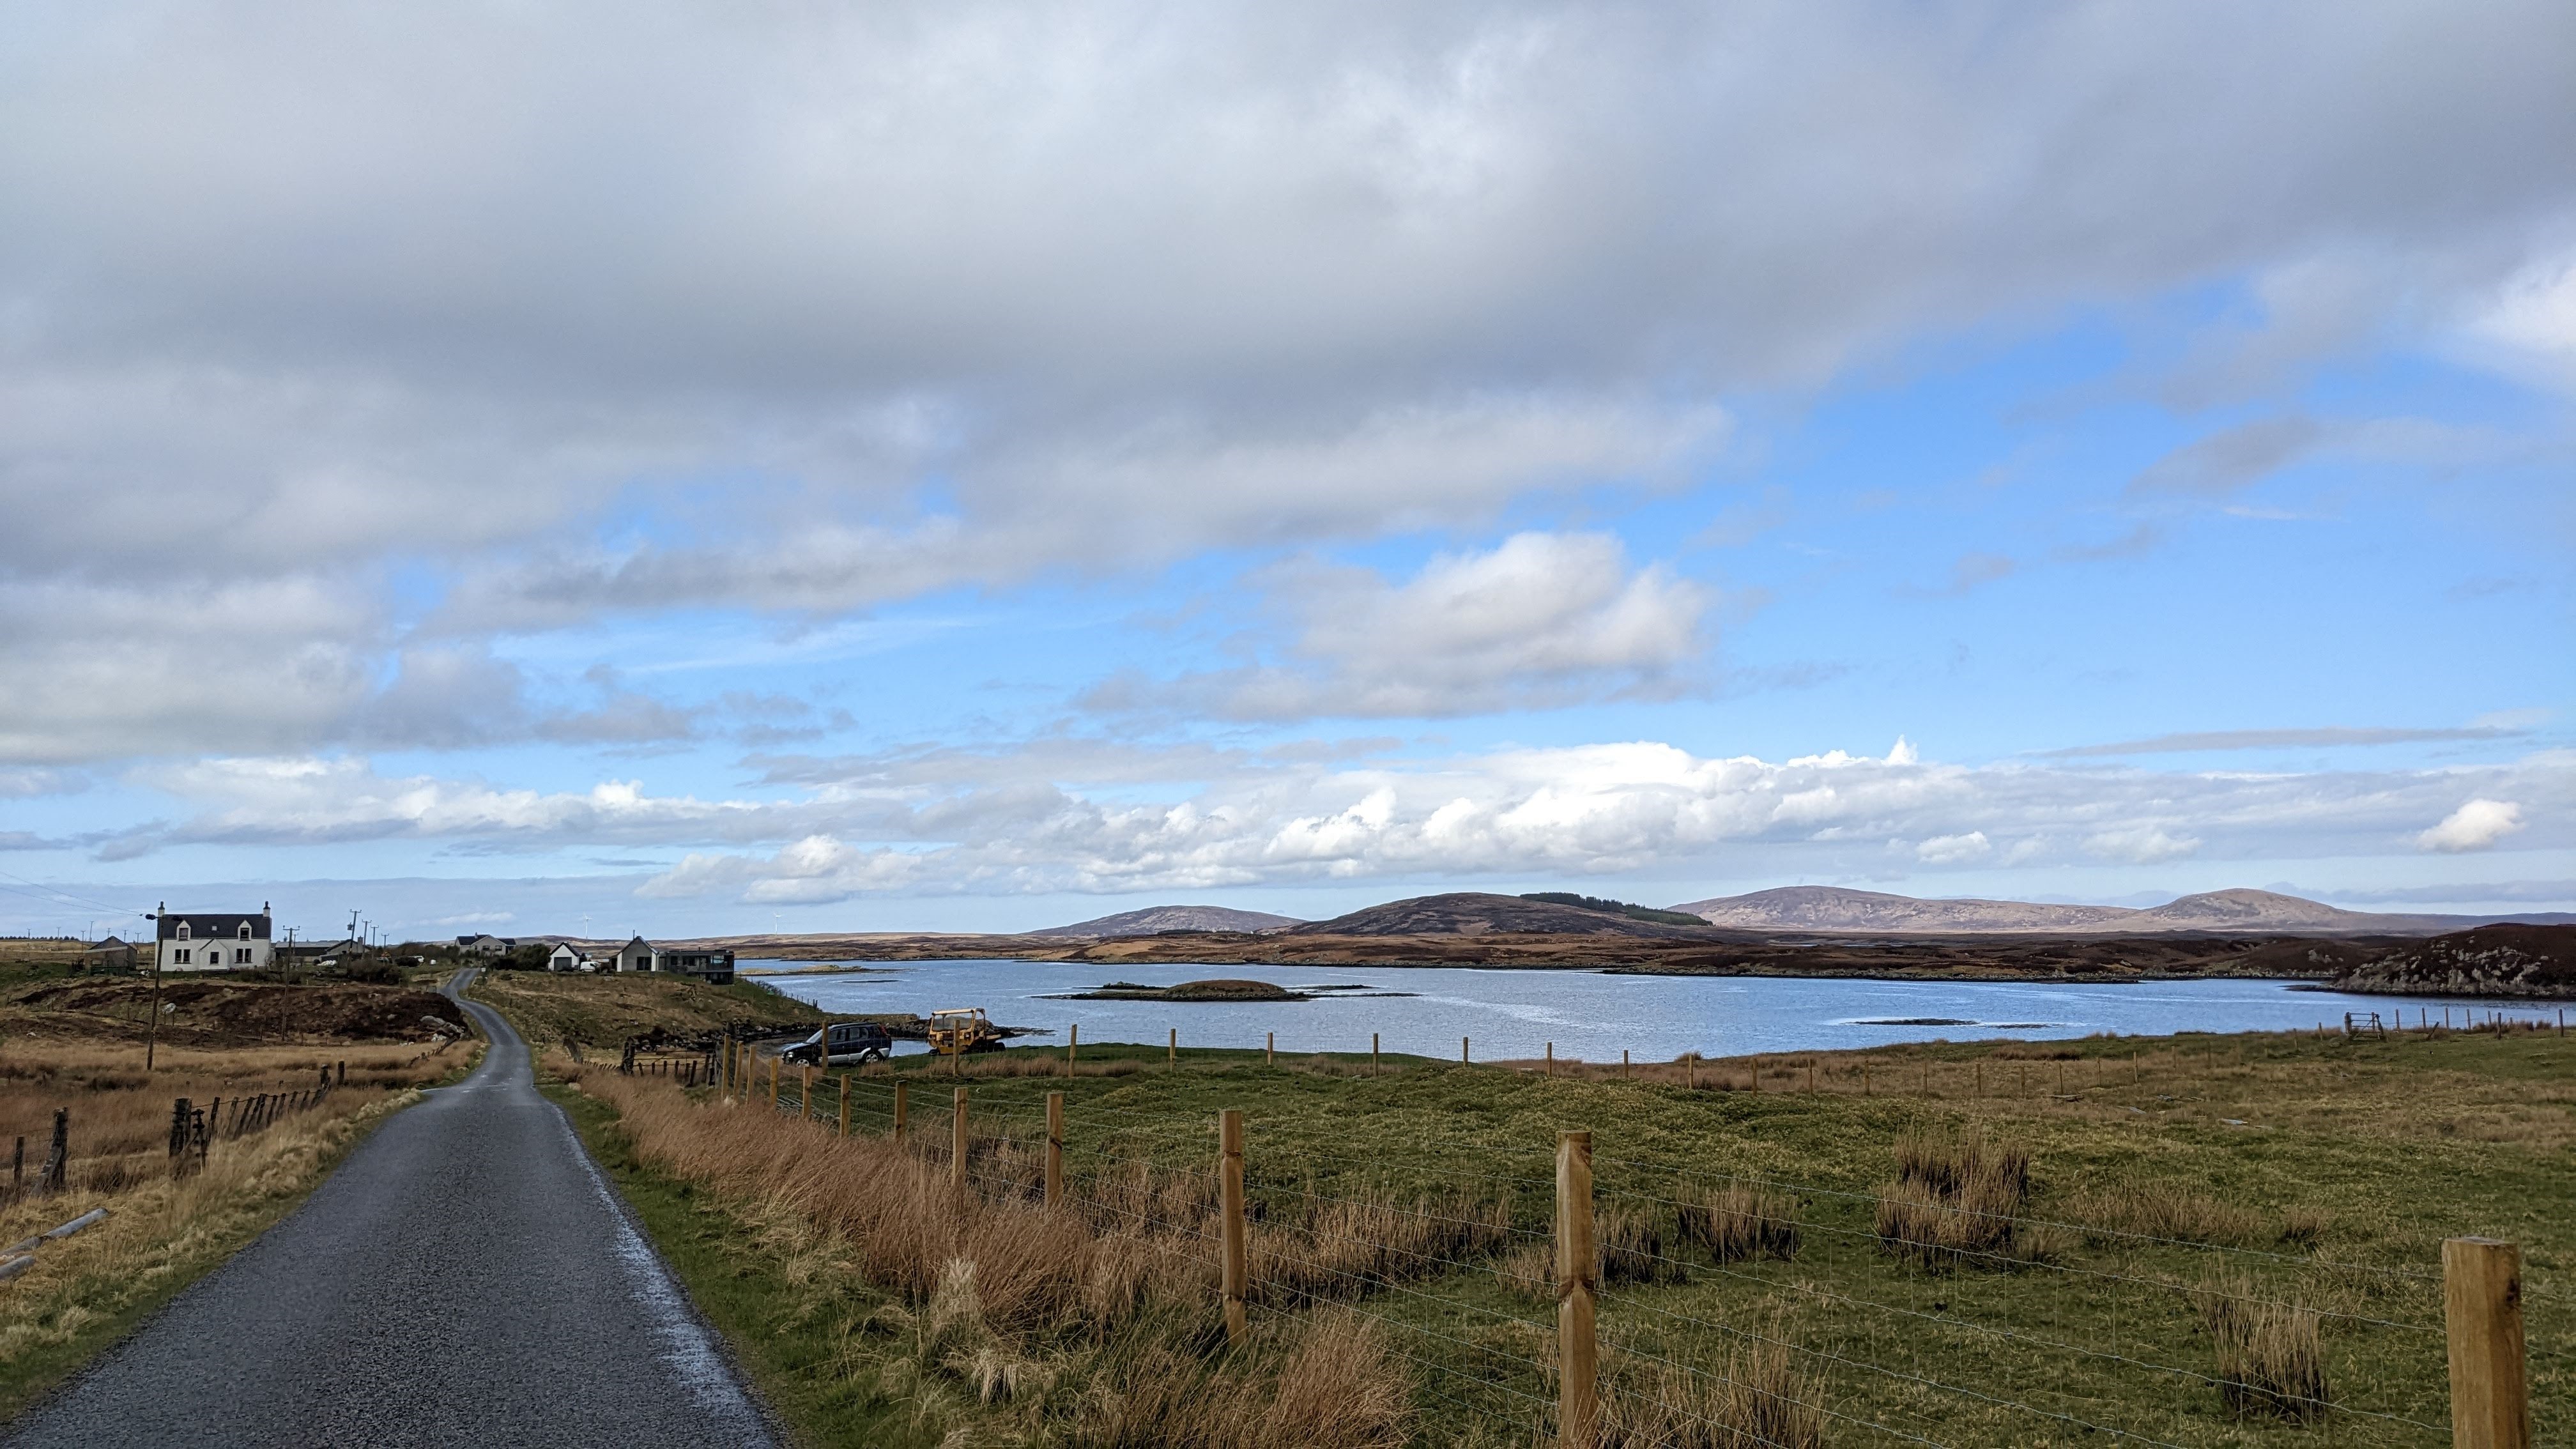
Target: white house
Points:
(567, 957)
(206, 941)
(484, 945)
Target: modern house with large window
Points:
(713, 967)
(212, 941)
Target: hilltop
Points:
(1471, 914)
(1153, 919)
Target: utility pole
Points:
(152, 1027)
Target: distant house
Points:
(319, 953)
(713, 967)
(484, 945)
(568, 957)
(213, 941)
(113, 954)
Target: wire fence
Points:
(1625, 1300)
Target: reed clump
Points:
(1739, 1223)
(1346, 1247)
(2270, 1354)
(2163, 1208)
(1634, 1248)
(1957, 1199)
(1330, 1382)
(1755, 1399)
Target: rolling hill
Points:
(1473, 913)
(1153, 919)
(1833, 909)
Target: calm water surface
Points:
(1588, 1015)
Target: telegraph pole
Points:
(152, 1026)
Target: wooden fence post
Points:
(957, 1144)
(805, 1091)
(1462, 1051)
(1694, 1069)
(1055, 1149)
(773, 1083)
(1551, 1059)
(899, 1114)
(2482, 1306)
(1072, 1047)
(845, 1104)
(1229, 1136)
(1372, 1054)
(1172, 1049)
(1623, 1064)
(1578, 1268)
(58, 1159)
(1269, 1048)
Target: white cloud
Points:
(1540, 619)
(937, 822)
(2142, 844)
(1951, 849)
(2476, 825)
(2529, 325)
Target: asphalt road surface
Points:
(466, 1277)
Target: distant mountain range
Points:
(1831, 908)
(1818, 909)
(1153, 919)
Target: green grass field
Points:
(2167, 1178)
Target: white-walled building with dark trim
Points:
(213, 940)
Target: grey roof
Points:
(203, 925)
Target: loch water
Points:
(1586, 1015)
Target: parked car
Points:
(851, 1041)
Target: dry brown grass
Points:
(1096, 1318)
(1957, 1199)
(1345, 1248)
(120, 1117)
(2163, 1208)
(1330, 1382)
(1738, 1223)
(1756, 1399)
(2270, 1354)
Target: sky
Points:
(697, 468)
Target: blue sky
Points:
(970, 468)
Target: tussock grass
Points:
(1956, 1200)
(1345, 1248)
(1753, 1399)
(2164, 1208)
(1738, 1223)
(2271, 1359)
(1330, 1382)
(1635, 1247)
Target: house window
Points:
(183, 930)
(241, 957)
(245, 930)
(179, 957)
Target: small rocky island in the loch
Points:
(1188, 991)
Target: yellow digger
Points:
(963, 1029)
